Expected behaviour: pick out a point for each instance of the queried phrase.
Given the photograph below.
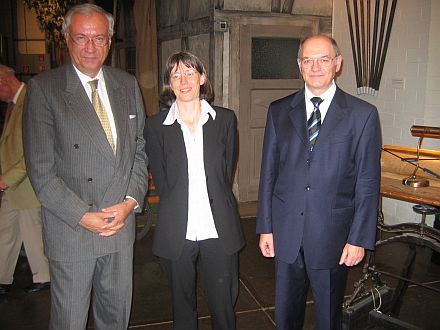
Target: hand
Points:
(121, 212)
(96, 222)
(352, 255)
(266, 245)
(3, 185)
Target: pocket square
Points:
(131, 116)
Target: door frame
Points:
(298, 28)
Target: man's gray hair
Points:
(87, 9)
(333, 42)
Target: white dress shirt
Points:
(327, 98)
(201, 224)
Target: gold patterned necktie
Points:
(102, 115)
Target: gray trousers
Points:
(108, 277)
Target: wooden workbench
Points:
(394, 170)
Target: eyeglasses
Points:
(324, 62)
(188, 74)
(82, 40)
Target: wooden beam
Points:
(184, 10)
(288, 6)
(189, 28)
(276, 6)
(219, 4)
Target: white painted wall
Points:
(413, 55)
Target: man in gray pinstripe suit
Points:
(88, 189)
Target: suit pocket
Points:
(277, 197)
(280, 209)
(346, 138)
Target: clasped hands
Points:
(110, 220)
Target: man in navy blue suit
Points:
(319, 188)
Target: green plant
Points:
(50, 15)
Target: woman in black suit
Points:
(192, 149)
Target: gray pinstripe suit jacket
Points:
(71, 165)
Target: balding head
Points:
(6, 70)
(9, 84)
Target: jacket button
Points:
(90, 204)
(307, 188)
(308, 161)
(89, 179)
(302, 213)
(76, 146)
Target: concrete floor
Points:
(255, 307)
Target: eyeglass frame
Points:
(88, 39)
(189, 74)
(317, 60)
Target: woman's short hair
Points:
(190, 60)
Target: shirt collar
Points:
(85, 78)
(17, 94)
(327, 95)
(173, 114)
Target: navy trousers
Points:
(292, 284)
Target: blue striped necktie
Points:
(314, 122)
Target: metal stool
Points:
(425, 210)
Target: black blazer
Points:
(169, 166)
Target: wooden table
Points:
(393, 188)
(394, 171)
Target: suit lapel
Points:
(209, 137)
(175, 145)
(81, 107)
(7, 127)
(335, 115)
(297, 115)
(118, 101)
(13, 117)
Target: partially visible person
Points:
(319, 188)
(20, 221)
(192, 146)
(84, 147)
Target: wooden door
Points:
(268, 71)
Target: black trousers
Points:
(219, 277)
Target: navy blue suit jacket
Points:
(323, 199)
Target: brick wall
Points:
(414, 57)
